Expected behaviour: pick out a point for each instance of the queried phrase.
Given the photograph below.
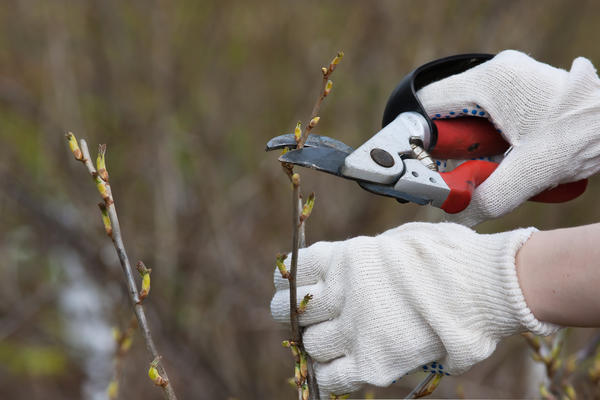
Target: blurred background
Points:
(186, 94)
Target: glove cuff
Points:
(507, 311)
(481, 300)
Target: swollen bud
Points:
(328, 87)
(154, 375)
(145, 286)
(304, 303)
(145, 273)
(308, 207)
(298, 132)
(335, 62)
(296, 179)
(112, 390)
(314, 122)
(74, 146)
(101, 163)
(281, 266)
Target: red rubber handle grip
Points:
(470, 174)
(467, 137)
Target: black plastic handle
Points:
(404, 97)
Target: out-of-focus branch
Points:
(548, 351)
(123, 340)
(25, 310)
(109, 214)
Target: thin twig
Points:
(326, 85)
(414, 394)
(313, 385)
(296, 337)
(104, 187)
(557, 371)
(589, 349)
(426, 387)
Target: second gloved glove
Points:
(386, 305)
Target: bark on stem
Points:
(294, 265)
(324, 92)
(416, 392)
(314, 113)
(298, 237)
(298, 241)
(117, 239)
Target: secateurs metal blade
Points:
(398, 160)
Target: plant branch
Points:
(426, 387)
(305, 379)
(82, 154)
(326, 86)
(296, 337)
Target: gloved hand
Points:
(550, 116)
(416, 294)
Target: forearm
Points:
(559, 274)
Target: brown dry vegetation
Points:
(186, 94)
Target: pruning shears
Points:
(398, 161)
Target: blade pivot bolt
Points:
(382, 158)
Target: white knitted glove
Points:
(550, 116)
(413, 295)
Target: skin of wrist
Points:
(559, 275)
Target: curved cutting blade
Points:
(288, 140)
(323, 159)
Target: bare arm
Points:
(559, 273)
